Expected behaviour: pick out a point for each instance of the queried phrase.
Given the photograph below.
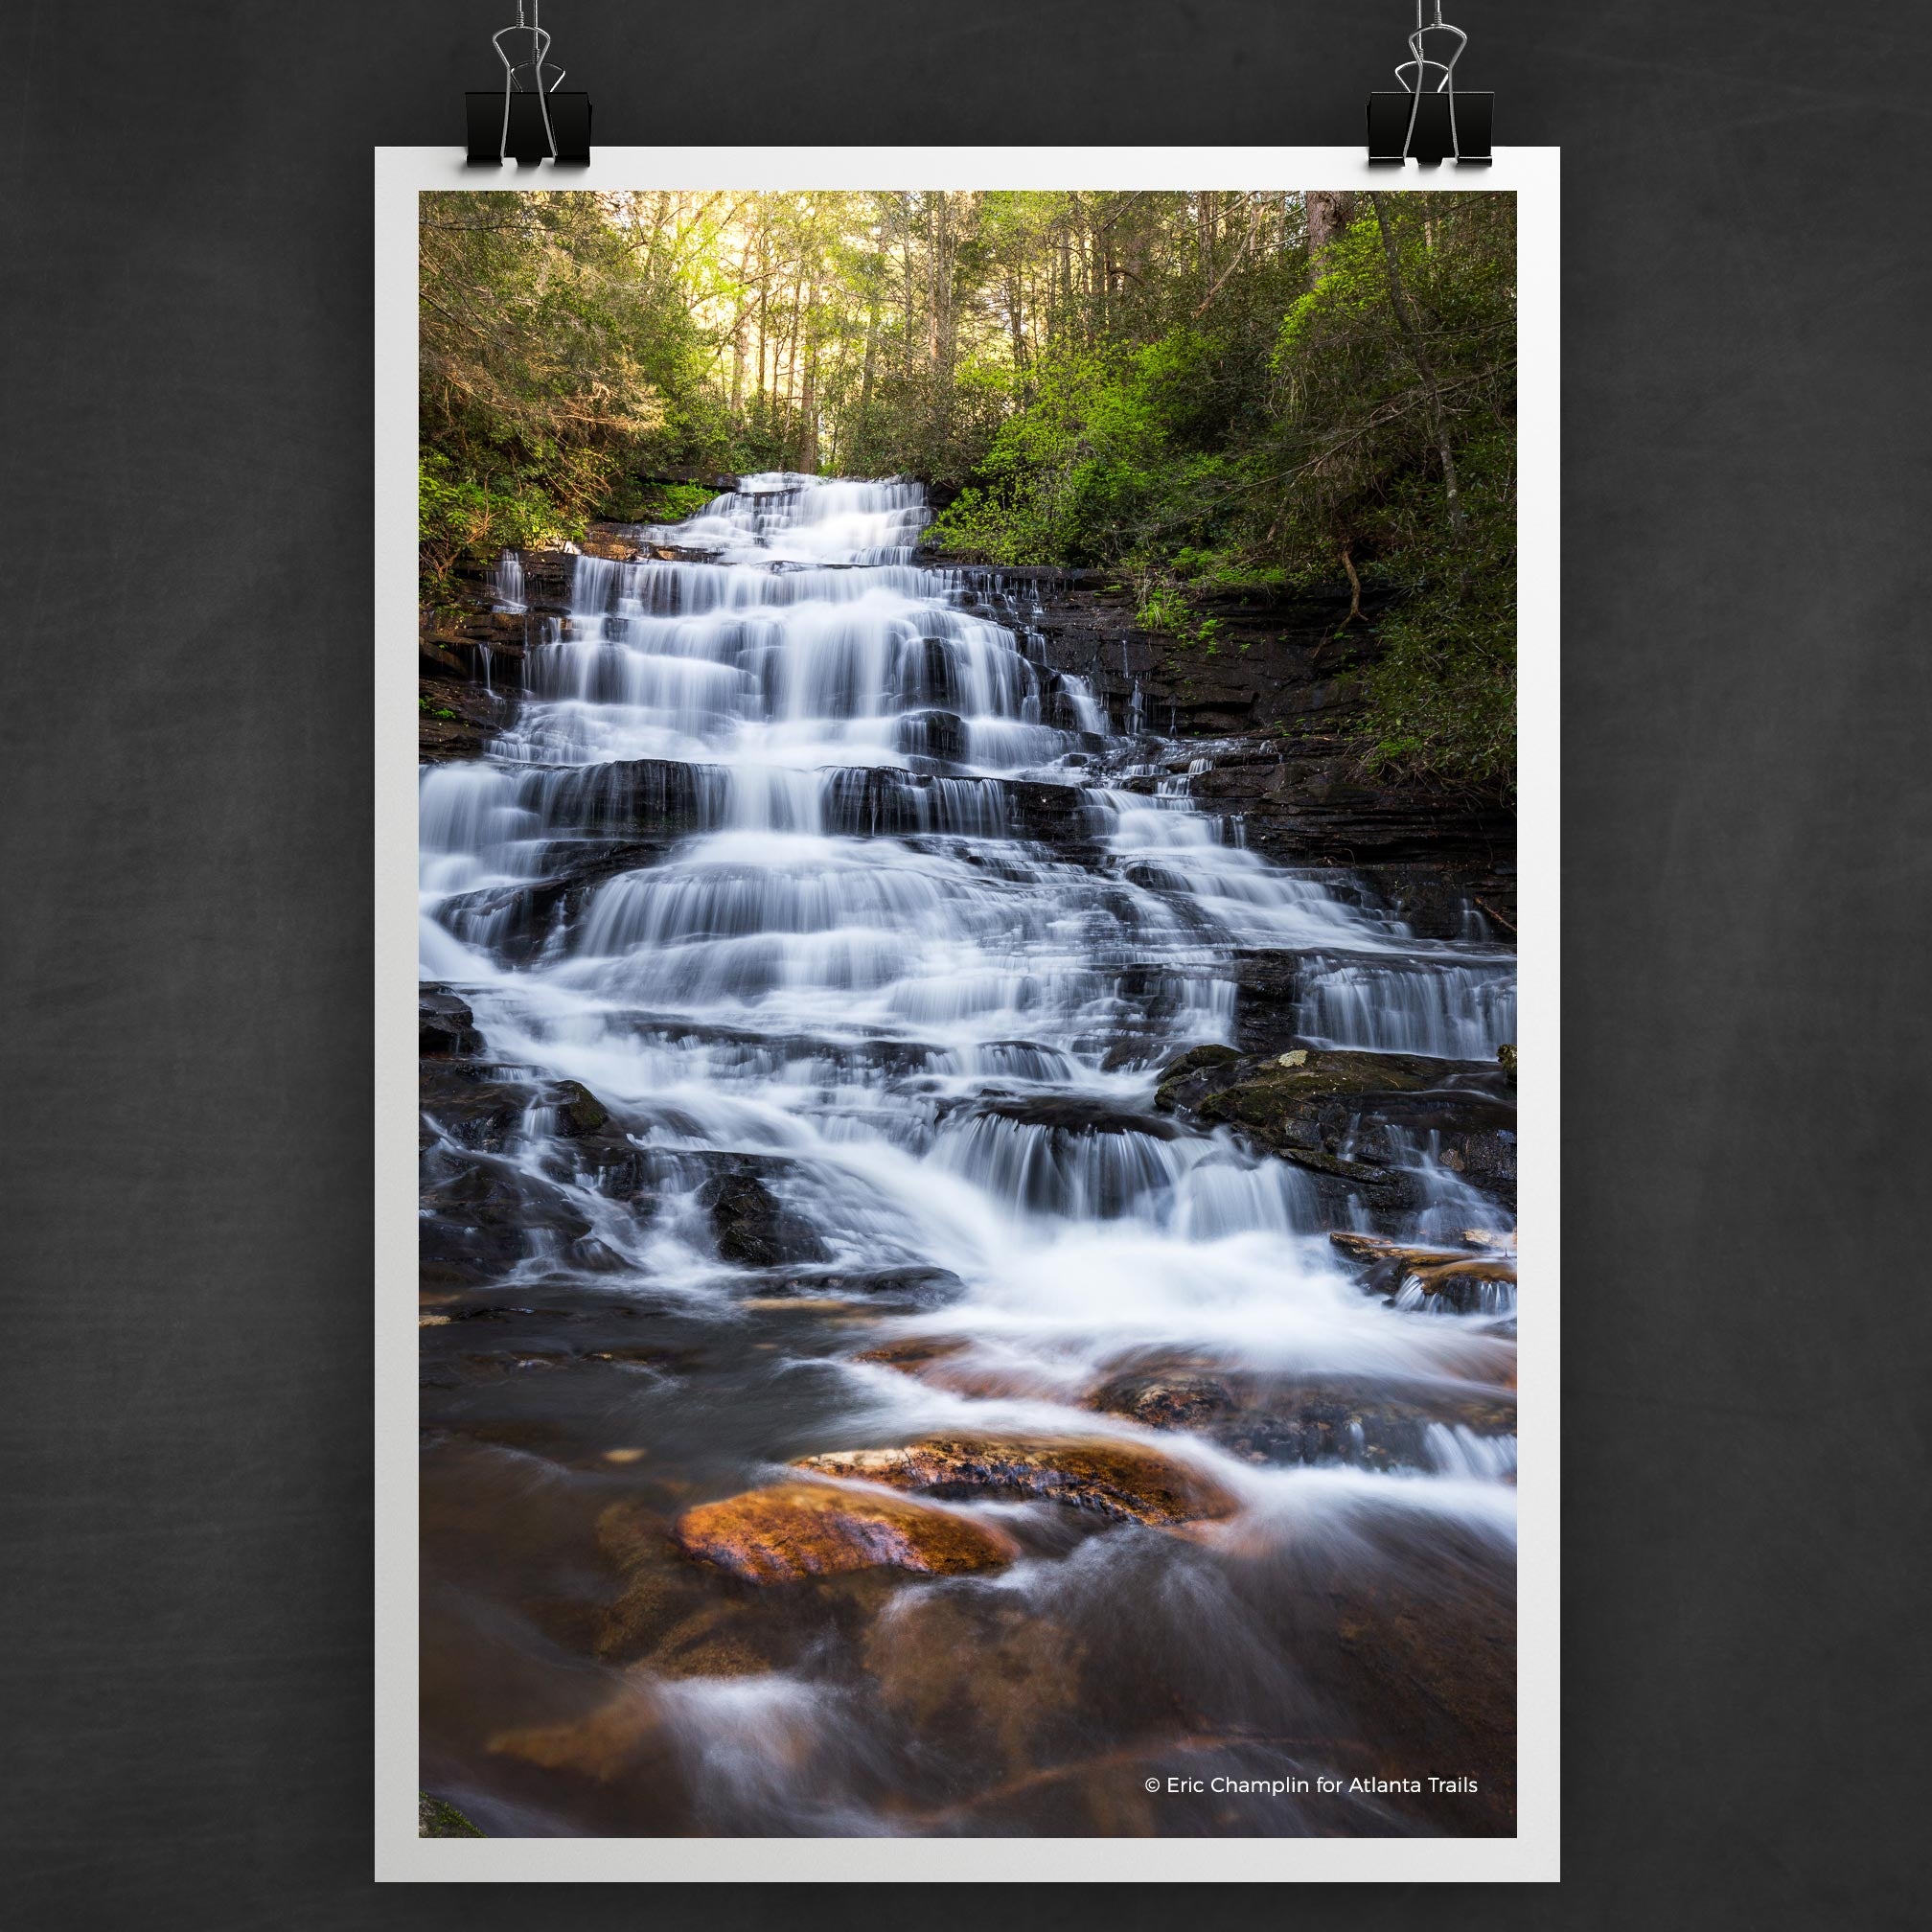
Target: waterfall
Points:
(829, 971)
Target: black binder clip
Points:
(529, 120)
(1429, 125)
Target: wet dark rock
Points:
(1267, 995)
(922, 1287)
(753, 1227)
(1374, 1425)
(1072, 1113)
(1280, 689)
(932, 734)
(483, 1106)
(455, 720)
(1051, 814)
(981, 1678)
(648, 799)
(476, 1213)
(469, 667)
(1354, 1116)
(444, 1024)
(517, 923)
(1374, 1428)
(1197, 1060)
(580, 1112)
(475, 1105)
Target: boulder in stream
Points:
(754, 1229)
(1109, 1476)
(1355, 1117)
(1461, 1282)
(1371, 1424)
(800, 1529)
(444, 1024)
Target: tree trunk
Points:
(792, 367)
(1330, 210)
(807, 407)
(866, 375)
(1412, 334)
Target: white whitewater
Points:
(851, 956)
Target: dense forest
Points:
(1199, 391)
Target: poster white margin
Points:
(402, 174)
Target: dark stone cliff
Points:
(1271, 703)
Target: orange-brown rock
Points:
(1374, 1250)
(1458, 1278)
(1104, 1474)
(797, 1530)
(1450, 1277)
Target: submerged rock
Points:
(924, 1287)
(985, 1681)
(797, 1530)
(1110, 1476)
(912, 1352)
(1266, 1418)
(477, 1214)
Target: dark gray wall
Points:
(185, 1411)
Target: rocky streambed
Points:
(966, 1246)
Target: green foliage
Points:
(1166, 385)
(1290, 437)
(631, 500)
(469, 519)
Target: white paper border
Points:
(1532, 174)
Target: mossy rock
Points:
(435, 1818)
(1175, 1076)
(578, 1111)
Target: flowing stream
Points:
(866, 938)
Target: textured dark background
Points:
(187, 823)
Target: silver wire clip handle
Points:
(530, 119)
(1429, 124)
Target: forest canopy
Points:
(1203, 391)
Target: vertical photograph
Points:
(968, 1114)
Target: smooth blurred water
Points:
(848, 953)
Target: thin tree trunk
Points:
(791, 366)
(1234, 262)
(738, 330)
(866, 376)
(1412, 334)
(807, 408)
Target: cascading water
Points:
(842, 995)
